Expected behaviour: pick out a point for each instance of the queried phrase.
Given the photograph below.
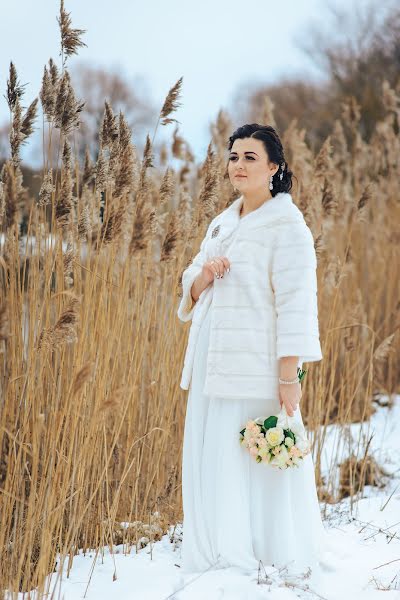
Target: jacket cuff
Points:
(306, 347)
(186, 306)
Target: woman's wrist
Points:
(198, 286)
(289, 381)
(288, 367)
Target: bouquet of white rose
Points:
(273, 441)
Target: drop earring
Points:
(271, 183)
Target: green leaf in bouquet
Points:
(289, 433)
(301, 373)
(242, 432)
(270, 422)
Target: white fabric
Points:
(265, 308)
(237, 511)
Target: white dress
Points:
(237, 511)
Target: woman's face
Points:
(248, 157)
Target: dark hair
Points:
(273, 148)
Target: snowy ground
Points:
(366, 565)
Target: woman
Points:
(251, 294)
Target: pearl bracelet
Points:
(294, 380)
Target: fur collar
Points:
(278, 209)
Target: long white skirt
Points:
(238, 512)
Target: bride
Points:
(251, 296)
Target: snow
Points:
(363, 562)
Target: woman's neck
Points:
(250, 204)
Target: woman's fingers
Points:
(289, 410)
(227, 264)
(290, 405)
(218, 265)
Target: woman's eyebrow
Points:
(247, 152)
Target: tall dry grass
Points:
(92, 415)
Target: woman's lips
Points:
(240, 175)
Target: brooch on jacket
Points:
(215, 231)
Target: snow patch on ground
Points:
(364, 563)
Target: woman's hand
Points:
(215, 267)
(289, 395)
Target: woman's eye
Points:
(235, 157)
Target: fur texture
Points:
(264, 308)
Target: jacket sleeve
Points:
(294, 282)
(186, 305)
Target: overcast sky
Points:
(217, 46)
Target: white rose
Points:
(263, 451)
(262, 443)
(275, 436)
(284, 453)
(289, 442)
(281, 458)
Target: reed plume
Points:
(109, 127)
(126, 175)
(148, 158)
(165, 196)
(70, 38)
(28, 120)
(89, 170)
(101, 171)
(48, 93)
(323, 162)
(69, 257)
(84, 375)
(15, 133)
(64, 203)
(15, 89)
(10, 193)
(67, 109)
(170, 240)
(385, 347)
(64, 331)
(178, 145)
(84, 223)
(112, 226)
(171, 103)
(46, 189)
(143, 224)
(329, 201)
(208, 198)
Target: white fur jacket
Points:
(264, 308)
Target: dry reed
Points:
(92, 415)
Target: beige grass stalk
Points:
(170, 105)
(92, 416)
